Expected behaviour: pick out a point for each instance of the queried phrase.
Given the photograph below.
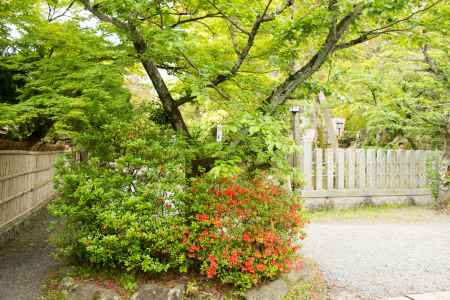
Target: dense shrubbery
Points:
(130, 206)
(115, 207)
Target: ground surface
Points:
(375, 252)
(382, 252)
(25, 263)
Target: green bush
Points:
(118, 208)
(129, 206)
(243, 231)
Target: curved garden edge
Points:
(308, 283)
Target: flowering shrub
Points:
(130, 206)
(243, 231)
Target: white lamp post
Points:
(339, 125)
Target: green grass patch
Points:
(384, 213)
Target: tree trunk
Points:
(169, 105)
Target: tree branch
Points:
(365, 38)
(368, 35)
(184, 99)
(278, 11)
(51, 13)
(102, 17)
(335, 33)
(229, 19)
(242, 54)
(194, 19)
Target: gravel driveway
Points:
(380, 259)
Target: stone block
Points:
(159, 292)
(273, 290)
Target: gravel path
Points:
(380, 259)
(25, 262)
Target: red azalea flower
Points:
(202, 217)
(246, 237)
(212, 266)
(229, 192)
(194, 248)
(260, 267)
(234, 258)
(248, 265)
(218, 193)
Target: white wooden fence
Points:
(25, 184)
(345, 177)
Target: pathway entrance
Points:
(25, 262)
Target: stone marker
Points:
(274, 290)
(85, 291)
(158, 292)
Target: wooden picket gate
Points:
(346, 177)
(25, 184)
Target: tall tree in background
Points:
(234, 56)
(230, 46)
(54, 82)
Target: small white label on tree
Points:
(219, 133)
(295, 109)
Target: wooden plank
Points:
(371, 169)
(412, 169)
(340, 169)
(407, 168)
(381, 168)
(402, 168)
(330, 168)
(319, 169)
(418, 157)
(390, 168)
(307, 165)
(361, 165)
(351, 162)
(395, 170)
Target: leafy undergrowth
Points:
(393, 213)
(198, 287)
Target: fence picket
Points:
(319, 169)
(361, 165)
(412, 169)
(340, 168)
(381, 168)
(351, 168)
(307, 165)
(330, 168)
(371, 168)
